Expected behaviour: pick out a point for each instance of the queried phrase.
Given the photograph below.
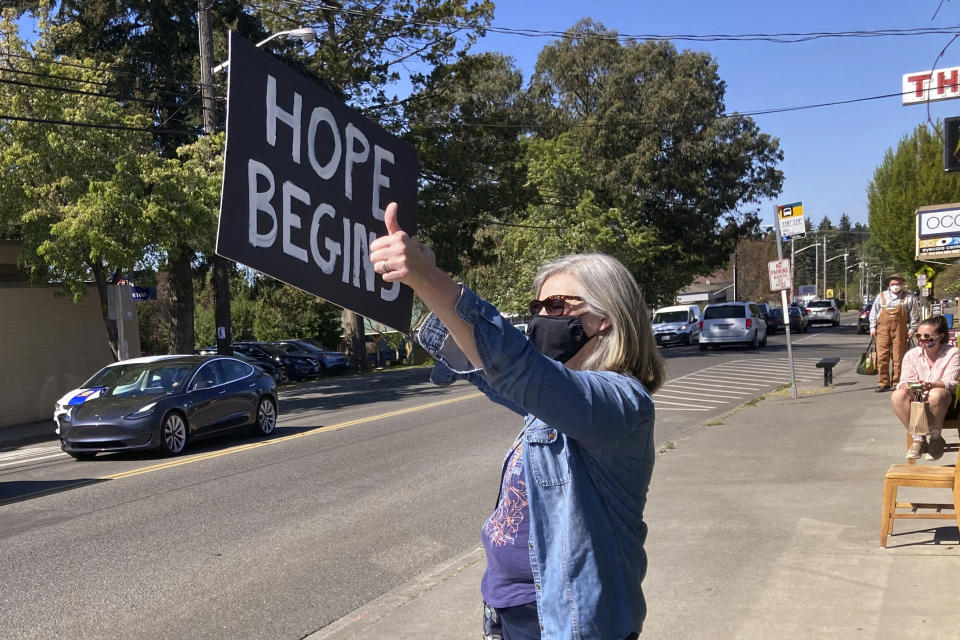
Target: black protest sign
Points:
(305, 183)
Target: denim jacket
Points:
(588, 457)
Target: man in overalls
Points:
(893, 320)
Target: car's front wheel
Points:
(283, 375)
(702, 346)
(173, 434)
(756, 340)
(266, 417)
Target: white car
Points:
(824, 311)
(82, 394)
(732, 323)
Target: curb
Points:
(379, 610)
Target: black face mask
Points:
(557, 337)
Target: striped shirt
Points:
(945, 368)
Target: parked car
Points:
(331, 362)
(732, 323)
(676, 325)
(388, 355)
(267, 366)
(289, 367)
(824, 311)
(164, 403)
(863, 320)
(798, 321)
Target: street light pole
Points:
(221, 266)
(824, 266)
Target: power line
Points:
(779, 38)
(102, 69)
(634, 123)
(90, 125)
(68, 90)
(530, 126)
(100, 83)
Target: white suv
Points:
(824, 311)
(732, 323)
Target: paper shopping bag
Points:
(920, 418)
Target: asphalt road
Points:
(368, 482)
(702, 385)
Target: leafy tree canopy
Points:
(633, 154)
(910, 176)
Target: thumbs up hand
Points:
(398, 256)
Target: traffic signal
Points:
(951, 144)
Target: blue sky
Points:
(830, 153)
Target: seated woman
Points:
(933, 364)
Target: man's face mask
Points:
(895, 288)
(557, 337)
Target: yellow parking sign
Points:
(829, 293)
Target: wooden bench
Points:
(827, 364)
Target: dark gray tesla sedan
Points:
(164, 403)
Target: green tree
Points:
(569, 221)
(57, 182)
(283, 312)
(466, 126)
(753, 279)
(634, 155)
(909, 177)
(359, 55)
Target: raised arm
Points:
(398, 256)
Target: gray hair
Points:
(609, 290)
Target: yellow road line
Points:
(272, 441)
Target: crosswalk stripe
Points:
(690, 397)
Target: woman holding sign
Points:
(564, 545)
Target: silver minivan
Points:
(732, 323)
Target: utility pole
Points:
(824, 265)
(816, 267)
(846, 296)
(735, 257)
(221, 266)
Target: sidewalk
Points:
(765, 524)
(21, 435)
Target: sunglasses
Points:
(553, 304)
(927, 336)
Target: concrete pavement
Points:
(764, 523)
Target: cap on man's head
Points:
(894, 276)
